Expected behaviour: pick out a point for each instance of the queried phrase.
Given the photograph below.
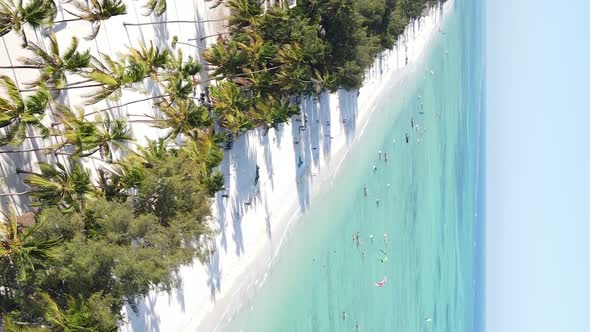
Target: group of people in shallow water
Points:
(356, 236)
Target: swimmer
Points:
(344, 315)
(363, 255)
(388, 186)
(385, 237)
(365, 191)
(385, 157)
(407, 138)
(379, 154)
(377, 201)
(382, 282)
(374, 168)
(371, 238)
(356, 325)
(412, 122)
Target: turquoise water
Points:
(429, 196)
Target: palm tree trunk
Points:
(195, 46)
(82, 155)
(22, 171)
(145, 120)
(67, 87)
(257, 71)
(166, 22)
(126, 104)
(80, 82)
(28, 150)
(241, 75)
(215, 35)
(20, 67)
(40, 136)
(15, 194)
(68, 20)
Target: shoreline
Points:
(294, 164)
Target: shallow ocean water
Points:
(429, 193)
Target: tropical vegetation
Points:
(103, 240)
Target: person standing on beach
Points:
(257, 175)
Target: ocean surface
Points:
(425, 233)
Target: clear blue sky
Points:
(538, 159)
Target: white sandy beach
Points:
(254, 219)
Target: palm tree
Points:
(17, 114)
(88, 138)
(114, 76)
(100, 10)
(178, 79)
(230, 105)
(244, 13)
(113, 134)
(268, 112)
(178, 67)
(13, 15)
(205, 152)
(19, 246)
(54, 66)
(58, 185)
(295, 75)
(116, 184)
(150, 57)
(258, 49)
(227, 56)
(183, 116)
(322, 81)
(77, 132)
(153, 151)
(75, 314)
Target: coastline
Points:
(254, 220)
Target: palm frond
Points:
(12, 91)
(157, 7)
(60, 186)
